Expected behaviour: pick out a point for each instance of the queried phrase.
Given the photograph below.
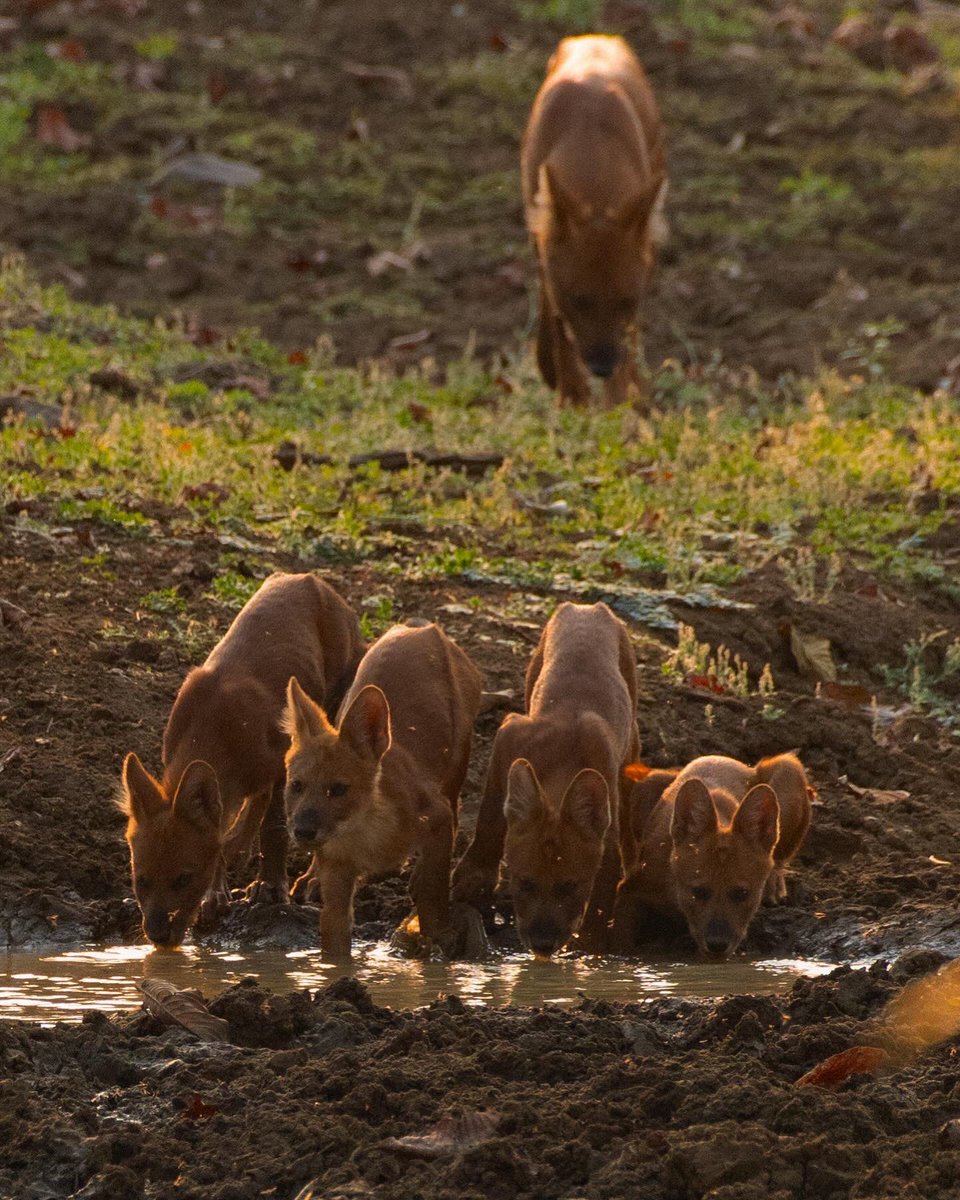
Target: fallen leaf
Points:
(636, 772)
(493, 700)
(878, 795)
(216, 493)
(386, 260)
(297, 358)
(112, 379)
(450, 1135)
(359, 129)
(498, 42)
(399, 80)
(908, 46)
(813, 655)
(196, 1109)
(410, 341)
(217, 86)
(184, 1007)
(709, 683)
(857, 1060)
(862, 37)
(419, 413)
(850, 695)
(939, 862)
(53, 129)
(11, 756)
(11, 615)
(69, 50)
(210, 168)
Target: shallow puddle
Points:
(61, 986)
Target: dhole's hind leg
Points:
(546, 353)
(271, 882)
(775, 888)
(430, 880)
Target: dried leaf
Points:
(185, 1007)
(878, 795)
(196, 1109)
(54, 130)
(11, 615)
(216, 493)
(857, 1060)
(709, 683)
(217, 86)
(850, 695)
(379, 264)
(410, 341)
(636, 772)
(69, 50)
(418, 413)
(813, 655)
(925, 1012)
(450, 1135)
(210, 168)
(399, 80)
(491, 700)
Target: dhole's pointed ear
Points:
(198, 797)
(694, 815)
(586, 803)
(366, 723)
(565, 210)
(141, 797)
(302, 717)
(758, 817)
(645, 210)
(523, 802)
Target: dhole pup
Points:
(223, 751)
(551, 804)
(384, 782)
(594, 179)
(716, 843)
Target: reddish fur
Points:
(721, 853)
(227, 715)
(385, 782)
(581, 692)
(594, 174)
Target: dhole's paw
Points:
(472, 884)
(775, 889)
(263, 892)
(212, 908)
(470, 937)
(306, 889)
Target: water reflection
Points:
(62, 986)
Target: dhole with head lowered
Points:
(713, 845)
(594, 180)
(223, 752)
(551, 803)
(385, 782)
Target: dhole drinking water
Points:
(713, 845)
(551, 804)
(385, 782)
(223, 755)
(594, 180)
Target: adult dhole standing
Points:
(223, 750)
(594, 181)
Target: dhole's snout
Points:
(603, 359)
(719, 938)
(543, 937)
(308, 826)
(159, 928)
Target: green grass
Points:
(723, 476)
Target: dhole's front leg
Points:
(430, 881)
(271, 882)
(628, 379)
(475, 876)
(572, 381)
(594, 931)
(240, 835)
(217, 900)
(338, 884)
(546, 334)
(306, 887)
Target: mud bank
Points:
(669, 1098)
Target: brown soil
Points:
(668, 1099)
(767, 280)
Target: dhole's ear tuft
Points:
(523, 803)
(694, 814)
(586, 803)
(366, 723)
(198, 797)
(645, 211)
(302, 717)
(566, 212)
(758, 817)
(140, 795)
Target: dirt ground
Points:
(668, 1100)
(776, 138)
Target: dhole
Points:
(386, 781)
(223, 752)
(594, 180)
(551, 804)
(715, 843)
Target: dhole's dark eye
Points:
(336, 790)
(526, 887)
(295, 786)
(565, 891)
(583, 304)
(701, 894)
(143, 883)
(739, 894)
(181, 881)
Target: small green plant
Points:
(922, 684)
(718, 670)
(158, 47)
(233, 589)
(573, 15)
(378, 617)
(163, 600)
(871, 352)
(801, 569)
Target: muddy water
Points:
(61, 986)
